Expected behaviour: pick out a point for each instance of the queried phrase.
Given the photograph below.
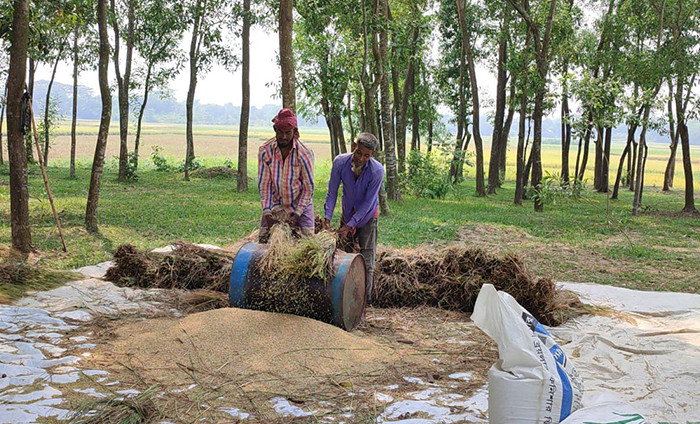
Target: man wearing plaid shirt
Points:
(286, 178)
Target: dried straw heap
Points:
(187, 267)
(452, 277)
(292, 274)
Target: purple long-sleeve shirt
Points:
(361, 196)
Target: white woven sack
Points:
(534, 381)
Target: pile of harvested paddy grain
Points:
(187, 267)
(452, 277)
(252, 350)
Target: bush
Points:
(194, 165)
(159, 161)
(427, 176)
(553, 188)
(131, 170)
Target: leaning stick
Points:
(43, 173)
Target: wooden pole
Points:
(43, 173)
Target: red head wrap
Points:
(285, 120)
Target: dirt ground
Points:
(229, 358)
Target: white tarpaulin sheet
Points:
(646, 350)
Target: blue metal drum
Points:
(339, 301)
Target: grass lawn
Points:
(581, 240)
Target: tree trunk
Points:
(402, 112)
(339, 134)
(16, 150)
(287, 54)
(670, 170)
(430, 136)
(30, 89)
(369, 121)
(46, 108)
(671, 164)
(687, 168)
(528, 165)
(520, 155)
(639, 180)
(625, 154)
(350, 124)
(242, 184)
(586, 145)
(105, 95)
(415, 127)
(74, 116)
(641, 161)
(494, 180)
(633, 168)
(189, 103)
(578, 156)
(605, 162)
(463, 159)
(2, 117)
(597, 174)
(142, 110)
(537, 146)
(392, 185)
(565, 131)
(459, 153)
(457, 158)
(505, 134)
(123, 82)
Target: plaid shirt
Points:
(288, 183)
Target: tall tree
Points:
(670, 170)
(101, 145)
(469, 49)
(128, 8)
(541, 32)
(497, 145)
(4, 64)
(407, 44)
(19, 194)
(684, 41)
(47, 106)
(83, 51)
(208, 20)
(161, 29)
(381, 54)
(3, 101)
(242, 184)
(286, 12)
(51, 24)
(523, 58)
(453, 83)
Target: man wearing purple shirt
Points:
(362, 177)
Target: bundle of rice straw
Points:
(293, 274)
(289, 259)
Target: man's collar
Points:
(294, 145)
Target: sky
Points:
(220, 86)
